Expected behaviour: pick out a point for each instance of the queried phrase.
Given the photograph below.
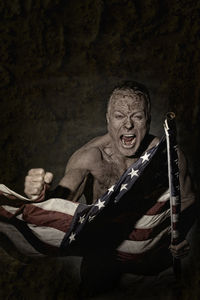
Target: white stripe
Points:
(175, 218)
(7, 191)
(175, 201)
(18, 240)
(48, 235)
(59, 205)
(10, 209)
(147, 222)
(137, 247)
(164, 197)
(175, 234)
(20, 217)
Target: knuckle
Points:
(31, 171)
(36, 171)
(28, 178)
(48, 177)
(40, 171)
(37, 178)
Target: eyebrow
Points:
(135, 112)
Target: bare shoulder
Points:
(183, 165)
(88, 155)
(153, 141)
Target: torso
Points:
(107, 170)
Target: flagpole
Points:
(174, 186)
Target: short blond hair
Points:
(131, 88)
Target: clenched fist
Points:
(35, 182)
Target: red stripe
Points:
(158, 208)
(4, 213)
(41, 217)
(175, 225)
(176, 209)
(34, 241)
(128, 257)
(28, 235)
(8, 195)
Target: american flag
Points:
(133, 216)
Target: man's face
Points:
(127, 122)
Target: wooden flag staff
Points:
(174, 186)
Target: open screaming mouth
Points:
(128, 140)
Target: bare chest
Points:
(105, 175)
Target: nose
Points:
(129, 123)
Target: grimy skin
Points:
(97, 166)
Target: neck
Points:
(127, 161)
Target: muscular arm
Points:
(188, 211)
(186, 186)
(82, 168)
(75, 176)
(80, 165)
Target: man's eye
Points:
(118, 117)
(138, 117)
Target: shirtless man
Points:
(98, 165)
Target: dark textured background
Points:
(59, 61)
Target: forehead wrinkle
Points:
(125, 105)
(126, 94)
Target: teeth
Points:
(128, 140)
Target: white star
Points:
(100, 204)
(133, 173)
(175, 147)
(176, 174)
(81, 219)
(111, 189)
(72, 237)
(91, 218)
(145, 157)
(123, 187)
(176, 161)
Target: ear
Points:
(149, 120)
(107, 118)
(149, 123)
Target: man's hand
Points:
(181, 250)
(35, 182)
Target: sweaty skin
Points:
(97, 166)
